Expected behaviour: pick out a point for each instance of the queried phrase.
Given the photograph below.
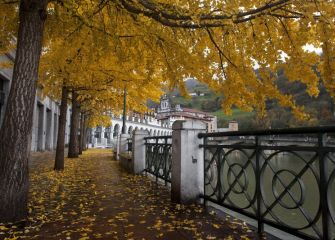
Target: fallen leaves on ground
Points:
(94, 199)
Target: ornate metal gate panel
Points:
(158, 157)
(289, 185)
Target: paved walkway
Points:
(94, 199)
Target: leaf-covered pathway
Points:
(94, 199)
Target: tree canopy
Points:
(153, 42)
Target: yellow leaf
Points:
(3, 228)
(217, 226)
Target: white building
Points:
(168, 115)
(45, 117)
(158, 123)
(108, 136)
(232, 126)
(5, 79)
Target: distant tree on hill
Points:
(211, 105)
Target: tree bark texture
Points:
(82, 129)
(59, 159)
(16, 129)
(73, 143)
(84, 142)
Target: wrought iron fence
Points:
(158, 157)
(287, 185)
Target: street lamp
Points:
(124, 108)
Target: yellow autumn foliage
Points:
(151, 44)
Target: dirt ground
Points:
(94, 199)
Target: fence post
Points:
(138, 151)
(323, 185)
(187, 171)
(117, 147)
(260, 225)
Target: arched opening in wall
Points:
(141, 129)
(147, 130)
(125, 130)
(108, 131)
(97, 134)
(154, 133)
(89, 136)
(130, 130)
(48, 129)
(116, 130)
(158, 133)
(150, 132)
(136, 128)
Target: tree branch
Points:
(181, 18)
(218, 48)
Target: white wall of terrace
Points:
(106, 137)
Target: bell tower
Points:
(165, 105)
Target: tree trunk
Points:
(80, 143)
(73, 143)
(85, 134)
(59, 159)
(16, 129)
(81, 138)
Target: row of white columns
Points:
(187, 172)
(45, 125)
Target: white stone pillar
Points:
(94, 142)
(67, 127)
(48, 125)
(103, 139)
(42, 126)
(122, 144)
(138, 151)
(34, 141)
(187, 173)
(104, 142)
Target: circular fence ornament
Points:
(211, 173)
(238, 178)
(290, 190)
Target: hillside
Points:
(202, 98)
(320, 108)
